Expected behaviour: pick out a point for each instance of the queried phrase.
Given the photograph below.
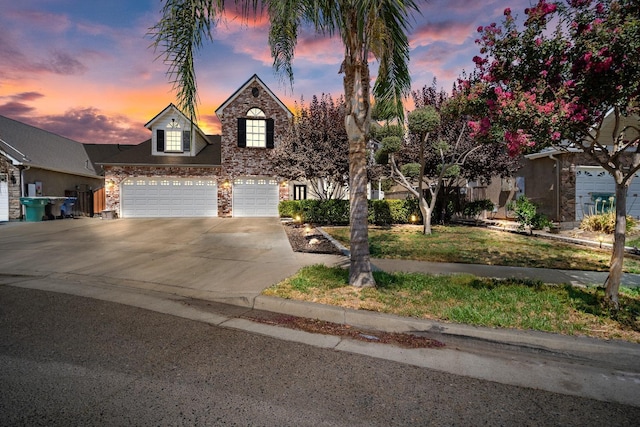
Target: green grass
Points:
(518, 304)
(475, 245)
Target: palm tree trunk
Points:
(356, 86)
(617, 255)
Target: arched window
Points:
(256, 128)
(174, 136)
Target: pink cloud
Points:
(449, 31)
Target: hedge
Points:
(336, 212)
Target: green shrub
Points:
(473, 209)
(526, 215)
(289, 208)
(380, 212)
(604, 223)
(336, 212)
(322, 212)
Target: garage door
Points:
(169, 197)
(594, 186)
(255, 197)
(4, 201)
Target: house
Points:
(34, 162)
(567, 184)
(182, 172)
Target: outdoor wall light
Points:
(283, 183)
(110, 184)
(226, 183)
(13, 178)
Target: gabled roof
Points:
(175, 109)
(140, 155)
(253, 79)
(27, 145)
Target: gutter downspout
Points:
(551, 156)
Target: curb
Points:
(564, 344)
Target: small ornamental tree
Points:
(315, 148)
(563, 77)
(437, 150)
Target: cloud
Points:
(447, 31)
(15, 109)
(90, 125)
(27, 96)
(65, 64)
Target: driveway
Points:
(221, 259)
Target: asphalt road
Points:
(68, 360)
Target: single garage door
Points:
(594, 186)
(255, 197)
(4, 201)
(169, 197)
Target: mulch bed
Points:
(305, 238)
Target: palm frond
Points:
(178, 36)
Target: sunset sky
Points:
(84, 69)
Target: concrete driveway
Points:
(220, 259)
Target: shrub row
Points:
(604, 223)
(336, 212)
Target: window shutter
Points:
(270, 133)
(186, 140)
(242, 132)
(160, 140)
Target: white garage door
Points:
(594, 186)
(169, 197)
(255, 197)
(4, 201)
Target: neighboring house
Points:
(181, 172)
(34, 162)
(567, 184)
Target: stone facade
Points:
(115, 175)
(15, 209)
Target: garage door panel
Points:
(4, 201)
(255, 197)
(169, 197)
(590, 181)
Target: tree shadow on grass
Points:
(592, 302)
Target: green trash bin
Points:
(34, 207)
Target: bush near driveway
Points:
(336, 212)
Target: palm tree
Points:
(366, 27)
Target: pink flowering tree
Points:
(568, 77)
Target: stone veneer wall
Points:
(119, 174)
(15, 209)
(247, 161)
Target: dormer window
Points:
(255, 130)
(172, 139)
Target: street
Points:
(68, 360)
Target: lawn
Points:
(471, 300)
(476, 245)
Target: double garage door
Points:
(169, 197)
(161, 197)
(594, 186)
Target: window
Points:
(255, 130)
(173, 139)
(299, 192)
